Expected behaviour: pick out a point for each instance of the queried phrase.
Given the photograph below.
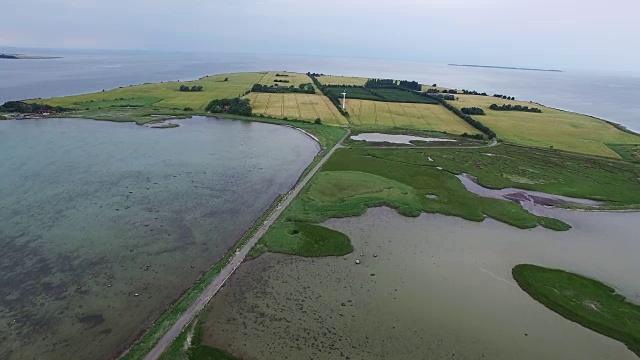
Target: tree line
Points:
(185, 88)
(471, 121)
(238, 106)
(280, 81)
(504, 97)
(509, 107)
(324, 89)
(472, 111)
(306, 88)
(23, 107)
(390, 83)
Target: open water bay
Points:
(93, 213)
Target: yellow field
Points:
(417, 116)
(341, 80)
(297, 106)
(164, 95)
(560, 129)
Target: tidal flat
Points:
(105, 224)
(431, 287)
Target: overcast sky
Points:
(575, 34)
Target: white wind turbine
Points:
(344, 98)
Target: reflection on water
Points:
(395, 139)
(432, 287)
(94, 213)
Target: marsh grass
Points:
(585, 301)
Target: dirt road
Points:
(237, 259)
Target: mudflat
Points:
(429, 287)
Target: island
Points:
(506, 67)
(27, 57)
(393, 151)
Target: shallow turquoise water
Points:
(93, 213)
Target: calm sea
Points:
(612, 96)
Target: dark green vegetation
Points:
(505, 97)
(471, 121)
(585, 301)
(188, 345)
(509, 107)
(377, 94)
(629, 152)
(390, 83)
(238, 106)
(7, 56)
(22, 107)
(185, 88)
(357, 178)
(306, 88)
(472, 111)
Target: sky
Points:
(574, 34)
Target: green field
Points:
(365, 113)
(552, 128)
(585, 301)
(297, 106)
(379, 94)
(162, 95)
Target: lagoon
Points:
(94, 213)
(431, 287)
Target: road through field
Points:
(231, 267)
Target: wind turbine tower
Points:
(344, 99)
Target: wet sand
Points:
(432, 287)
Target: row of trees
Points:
(442, 96)
(306, 88)
(333, 98)
(238, 106)
(185, 88)
(504, 97)
(471, 121)
(282, 75)
(280, 81)
(472, 111)
(473, 92)
(390, 83)
(23, 107)
(508, 107)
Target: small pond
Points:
(395, 139)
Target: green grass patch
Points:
(379, 94)
(585, 301)
(629, 152)
(355, 179)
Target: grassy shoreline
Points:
(582, 300)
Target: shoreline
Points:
(213, 273)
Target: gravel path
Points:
(231, 267)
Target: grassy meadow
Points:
(162, 96)
(341, 80)
(294, 79)
(354, 179)
(585, 301)
(552, 128)
(412, 116)
(297, 106)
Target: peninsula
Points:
(506, 67)
(423, 152)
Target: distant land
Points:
(26, 57)
(504, 67)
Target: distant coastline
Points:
(505, 67)
(26, 57)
